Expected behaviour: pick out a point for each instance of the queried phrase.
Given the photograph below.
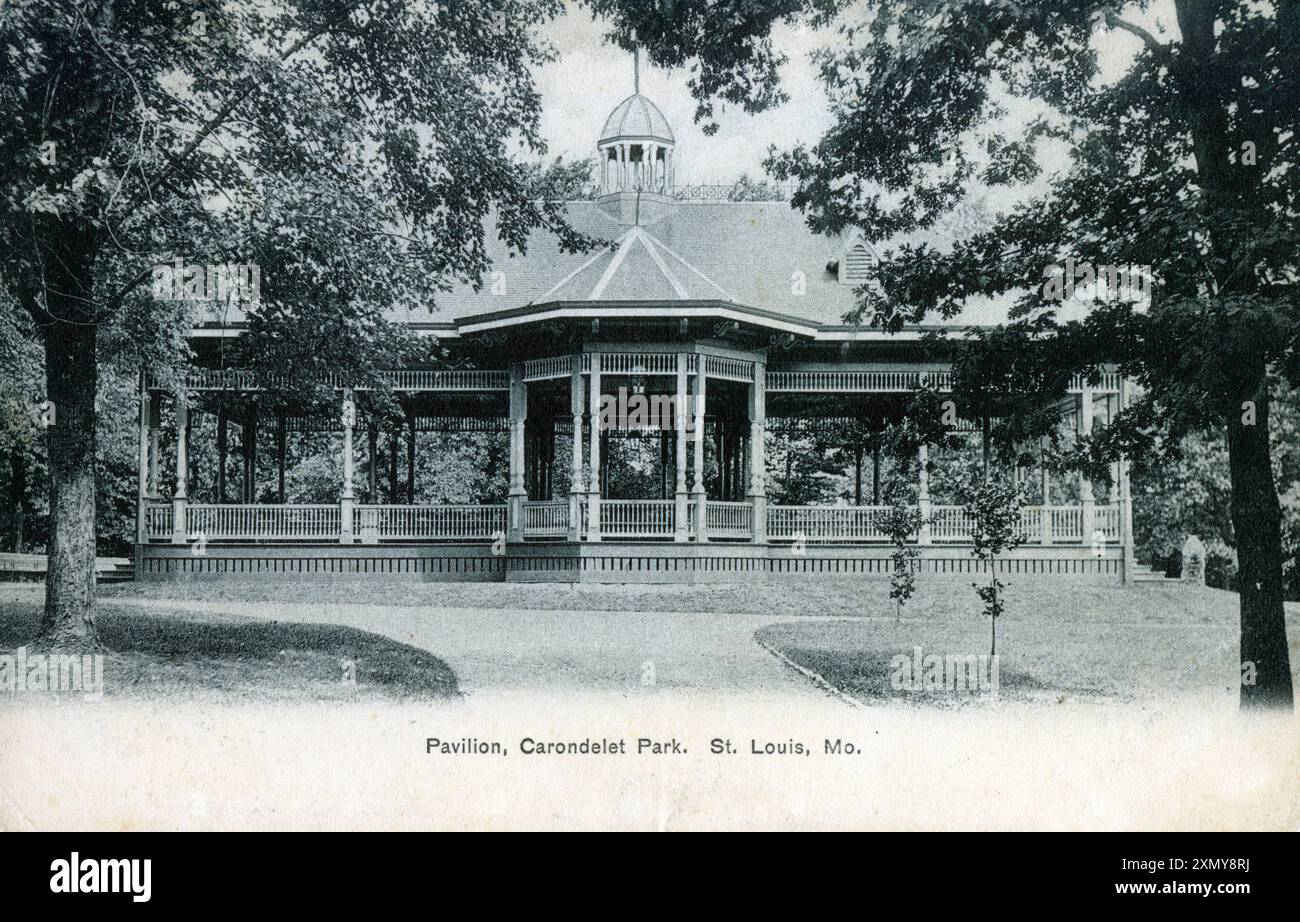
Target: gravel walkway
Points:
(494, 650)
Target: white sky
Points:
(590, 78)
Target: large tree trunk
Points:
(1256, 517)
(1257, 523)
(70, 375)
(18, 496)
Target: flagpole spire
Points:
(636, 69)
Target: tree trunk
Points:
(1256, 517)
(223, 452)
(985, 452)
(857, 475)
(18, 495)
(1257, 523)
(71, 378)
(875, 474)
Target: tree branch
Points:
(1148, 39)
(237, 97)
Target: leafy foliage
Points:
(901, 522)
(993, 507)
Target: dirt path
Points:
(496, 650)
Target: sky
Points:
(590, 78)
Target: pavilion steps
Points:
(1142, 573)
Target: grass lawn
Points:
(1055, 643)
(236, 659)
(1059, 639)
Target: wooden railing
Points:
(546, 519)
(1067, 523)
(1108, 522)
(949, 524)
(158, 520)
(435, 522)
(730, 520)
(262, 523)
(637, 518)
(826, 523)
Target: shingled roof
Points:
(759, 255)
(756, 255)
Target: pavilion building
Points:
(729, 313)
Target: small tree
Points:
(993, 506)
(901, 523)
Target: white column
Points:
(1046, 533)
(1086, 500)
(923, 493)
(518, 418)
(1112, 494)
(155, 436)
(1126, 500)
(180, 497)
(701, 498)
(593, 485)
(575, 479)
(347, 497)
(142, 485)
(757, 457)
(681, 406)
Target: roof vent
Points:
(857, 263)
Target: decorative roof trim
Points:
(675, 255)
(627, 240)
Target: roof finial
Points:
(636, 69)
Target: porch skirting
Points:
(606, 562)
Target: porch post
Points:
(372, 452)
(392, 466)
(410, 458)
(593, 487)
(155, 435)
(223, 453)
(518, 419)
(1047, 493)
(348, 498)
(281, 441)
(681, 506)
(250, 455)
(1126, 501)
(180, 498)
(575, 477)
(757, 456)
(701, 497)
(875, 472)
(142, 485)
(1088, 513)
(923, 493)
(1112, 493)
